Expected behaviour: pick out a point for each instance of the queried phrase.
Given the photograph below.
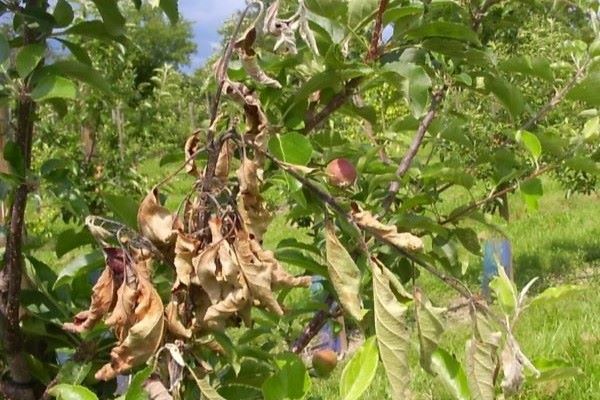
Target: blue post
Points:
(495, 250)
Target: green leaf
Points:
(4, 49)
(449, 371)
(28, 58)
(73, 372)
(69, 240)
(207, 390)
(53, 86)
(93, 29)
(446, 30)
(113, 20)
(480, 368)
(79, 265)
(14, 157)
(415, 85)
(587, 90)
(359, 10)
(170, 8)
(468, 238)
(125, 208)
(38, 369)
(533, 66)
(64, 391)
(343, 273)
(505, 291)
(81, 72)
(591, 128)
(429, 328)
(290, 381)
(77, 51)
(332, 9)
(63, 14)
(508, 94)
(392, 336)
(531, 143)
(583, 164)
(531, 191)
(555, 369)
(555, 293)
(360, 371)
(292, 148)
(299, 259)
(136, 391)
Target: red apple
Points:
(340, 172)
(324, 361)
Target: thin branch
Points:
(508, 189)
(373, 53)
(404, 165)
(477, 17)
(316, 324)
(224, 63)
(334, 104)
(556, 99)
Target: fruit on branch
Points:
(340, 172)
(324, 362)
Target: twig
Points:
(404, 165)
(334, 104)
(315, 325)
(494, 195)
(373, 53)
(477, 17)
(224, 63)
(556, 99)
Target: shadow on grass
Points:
(558, 260)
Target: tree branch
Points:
(404, 165)
(373, 53)
(334, 104)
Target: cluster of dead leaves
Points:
(221, 270)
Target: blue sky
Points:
(206, 17)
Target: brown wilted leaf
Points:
(256, 120)
(192, 145)
(185, 249)
(249, 60)
(257, 274)
(236, 300)
(156, 390)
(250, 203)
(205, 268)
(283, 30)
(404, 240)
(122, 315)
(280, 278)
(222, 167)
(155, 222)
(173, 321)
(103, 297)
(144, 336)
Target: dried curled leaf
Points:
(251, 206)
(173, 321)
(404, 240)
(191, 147)
(250, 62)
(513, 364)
(236, 300)
(103, 298)
(156, 222)
(283, 30)
(256, 120)
(185, 249)
(392, 335)
(223, 162)
(344, 274)
(257, 275)
(305, 32)
(144, 336)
